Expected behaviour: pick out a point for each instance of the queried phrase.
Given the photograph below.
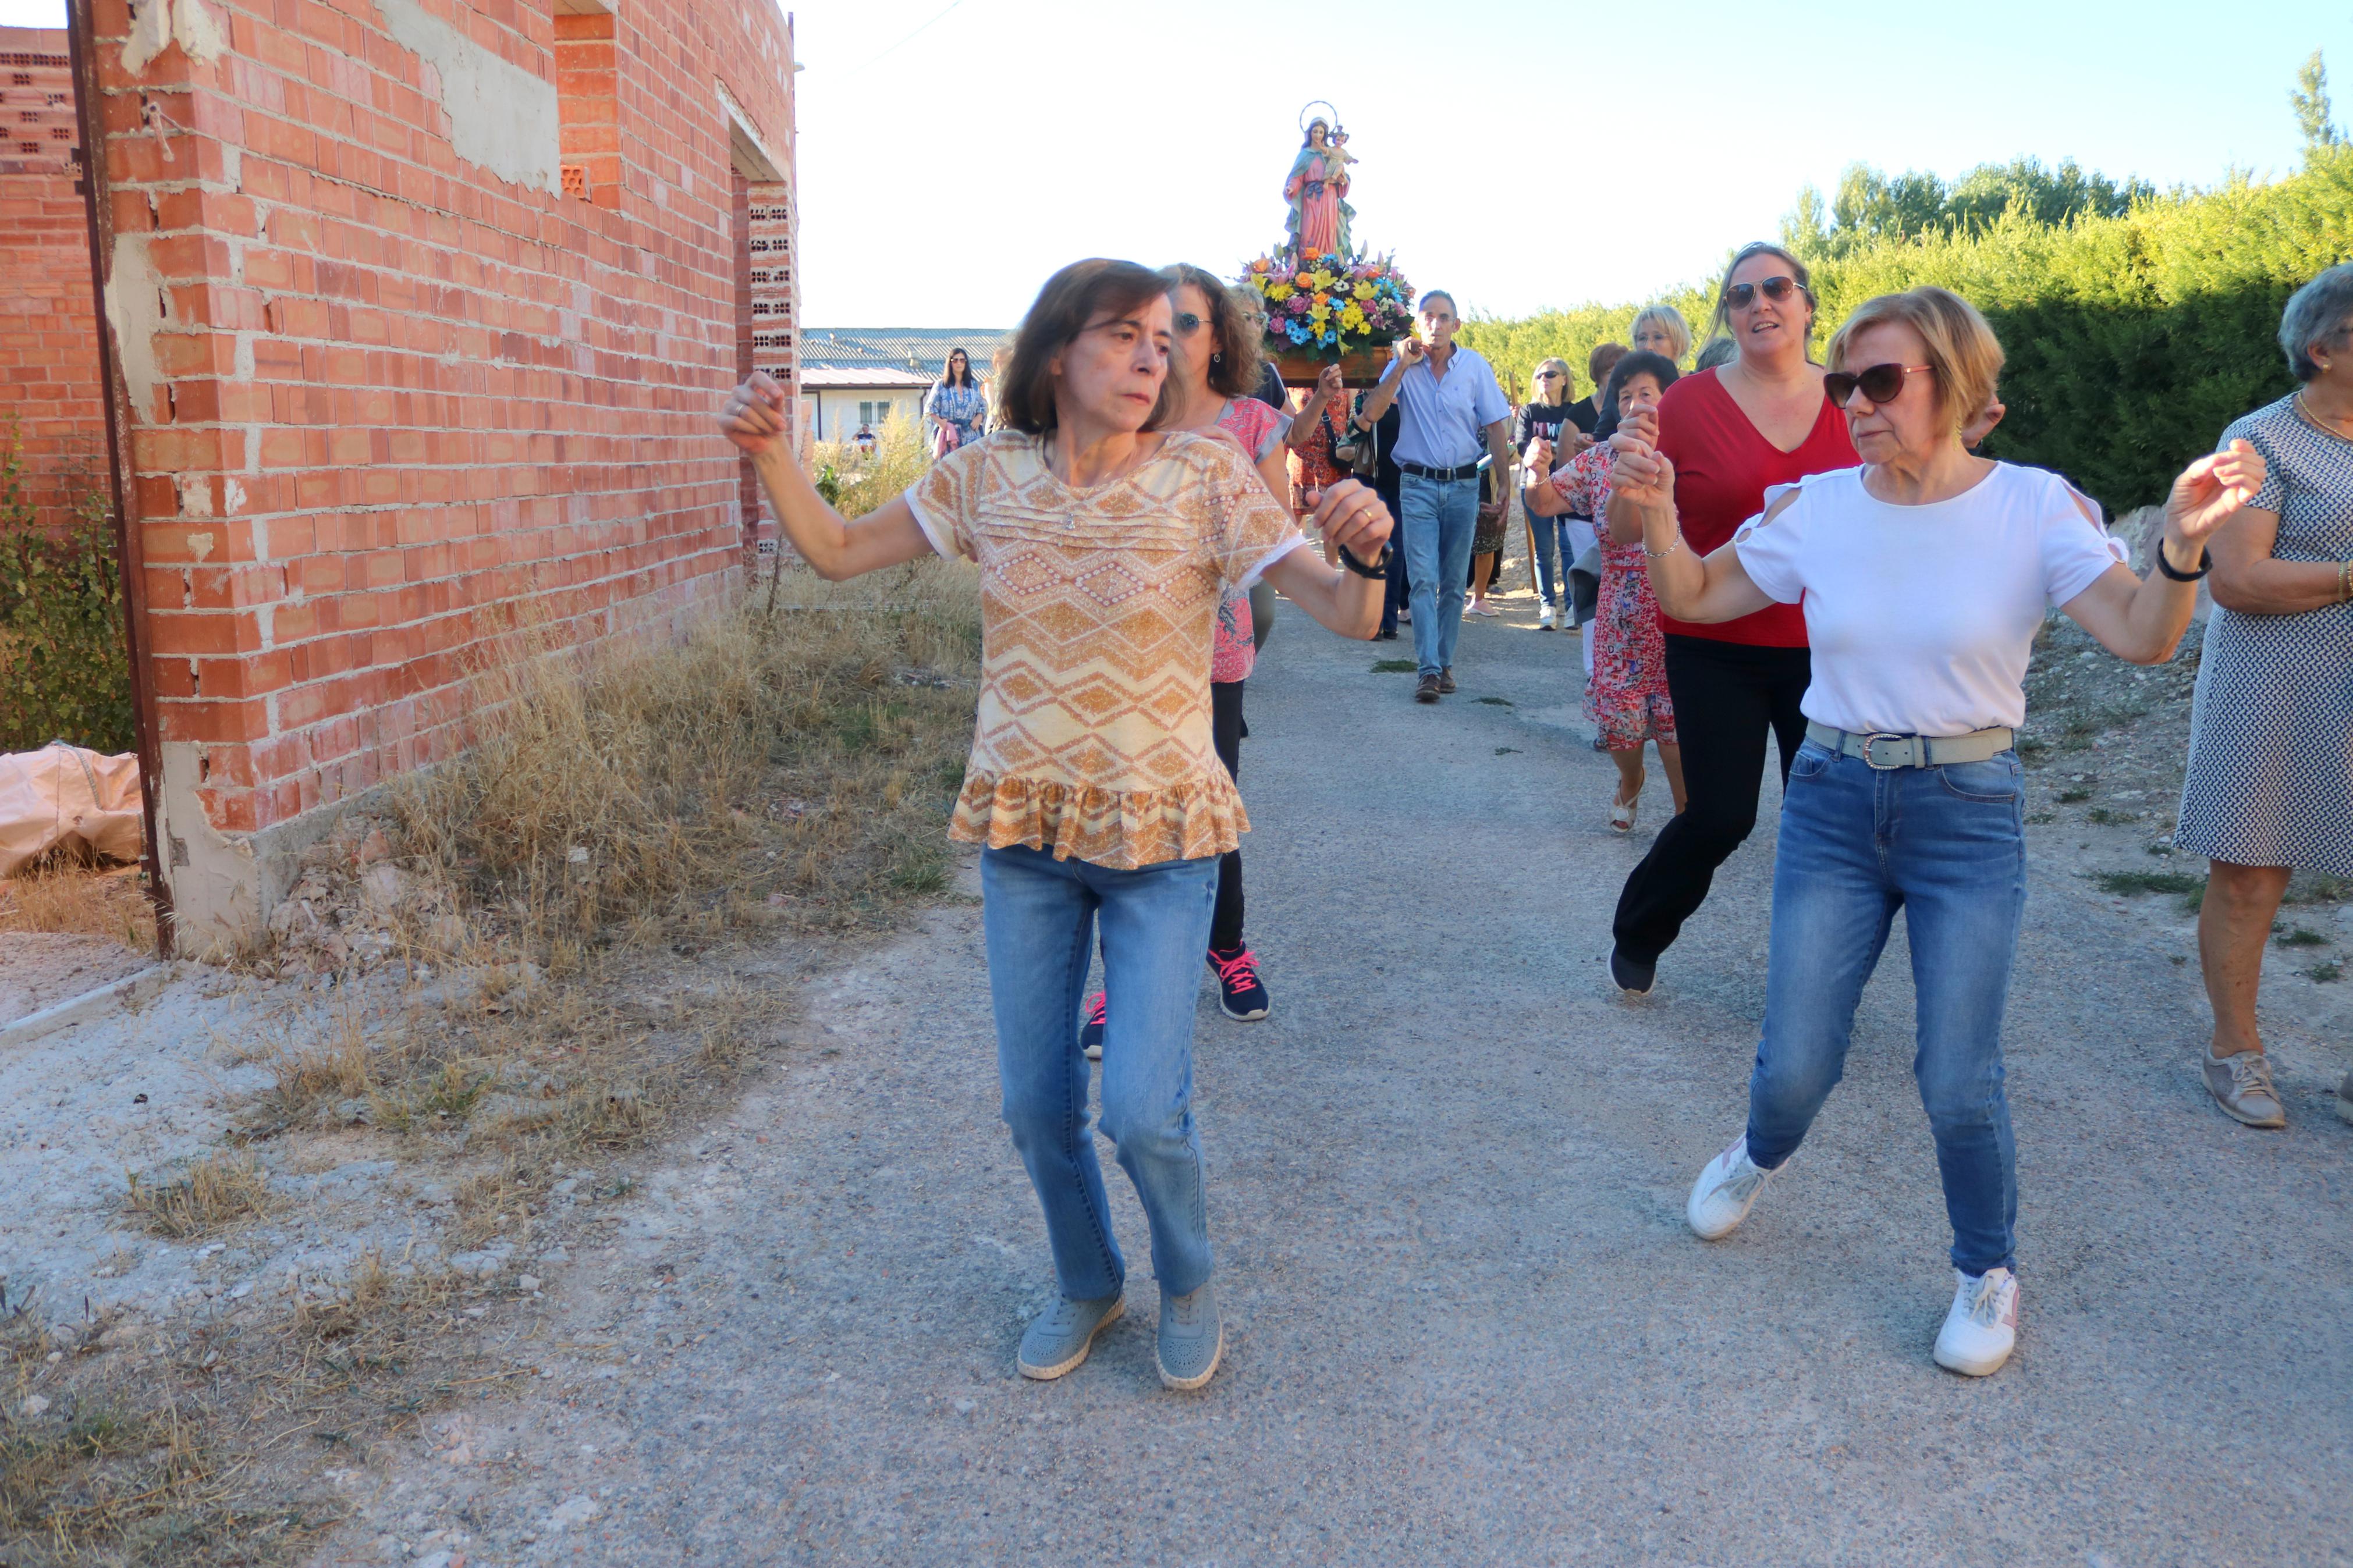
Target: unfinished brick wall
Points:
(393, 390)
(49, 392)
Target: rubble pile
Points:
(355, 906)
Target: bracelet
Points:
(2205, 564)
(1376, 570)
(1672, 546)
(2344, 581)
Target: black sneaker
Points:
(1091, 1032)
(1427, 691)
(1632, 977)
(1242, 994)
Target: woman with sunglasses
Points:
(1092, 787)
(1544, 419)
(1214, 358)
(1925, 575)
(1761, 420)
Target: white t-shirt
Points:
(1921, 617)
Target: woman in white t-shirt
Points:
(1924, 574)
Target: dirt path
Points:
(1467, 1324)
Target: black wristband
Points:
(2205, 564)
(1376, 570)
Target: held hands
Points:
(2209, 493)
(1537, 461)
(753, 417)
(1640, 471)
(1351, 516)
(1489, 511)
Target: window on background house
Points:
(587, 105)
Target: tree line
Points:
(2137, 323)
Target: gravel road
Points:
(1466, 1323)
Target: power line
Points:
(858, 70)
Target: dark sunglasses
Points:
(1882, 383)
(1187, 323)
(1548, 375)
(1740, 296)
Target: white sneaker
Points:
(1544, 618)
(1981, 1329)
(1720, 1199)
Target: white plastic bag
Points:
(62, 792)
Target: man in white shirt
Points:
(1450, 406)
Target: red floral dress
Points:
(1627, 698)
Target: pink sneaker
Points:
(1091, 1032)
(1243, 995)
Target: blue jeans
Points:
(1038, 916)
(1555, 555)
(1947, 844)
(1439, 520)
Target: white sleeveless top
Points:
(1921, 617)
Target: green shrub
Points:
(2133, 337)
(64, 674)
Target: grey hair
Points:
(2316, 314)
(1717, 351)
(1439, 294)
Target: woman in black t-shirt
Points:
(1541, 420)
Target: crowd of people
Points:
(1774, 549)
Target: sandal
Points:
(1621, 812)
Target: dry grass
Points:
(63, 895)
(214, 1194)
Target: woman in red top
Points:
(1731, 431)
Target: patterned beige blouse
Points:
(1096, 612)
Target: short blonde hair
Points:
(1963, 353)
(1665, 316)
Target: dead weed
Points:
(212, 1194)
(66, 895)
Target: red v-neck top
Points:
(1723, 466)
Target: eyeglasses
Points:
(1882, 383)
(1187, 323)
(1740, 296)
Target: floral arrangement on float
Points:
(1326, 303)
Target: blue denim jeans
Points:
(1948, 846)
(1439, 522)
(1555, 554)
(1038, 916)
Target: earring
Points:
(1217, 359)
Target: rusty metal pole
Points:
(129, 555)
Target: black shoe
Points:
(1091, 1032)
(1446, 682)
(1389, 636)
(1242, 994)
(1633, 978)
(1427, 690)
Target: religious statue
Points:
(1316, 190)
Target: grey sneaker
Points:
(2242, 1086)
(1192, 1338)
(1063, 1334)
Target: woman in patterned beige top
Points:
(1104, 544)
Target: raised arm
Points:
(1642, 492)
(834, 546)
(2141, 622)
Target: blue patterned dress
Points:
(962, 406)
(2271, 732)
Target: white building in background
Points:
(856, 378)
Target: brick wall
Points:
(49, 350)
(394, 387)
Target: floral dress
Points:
(1313, 467)
(1259, 430)
(1627, 698)
(962, 406)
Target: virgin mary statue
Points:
(1319, 179)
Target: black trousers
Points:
(1227, 730)
(1398, 591)
(1727, 697)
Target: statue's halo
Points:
(1307, 119)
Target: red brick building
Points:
(50, 401)
(422, 310)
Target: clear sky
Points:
(951, 154)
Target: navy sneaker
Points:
(1091, 1032)
(1633, 977)
(1241, 993)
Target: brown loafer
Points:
(1446, 682)
(1427, 691)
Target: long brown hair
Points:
(1071, 301)
(1239, 352)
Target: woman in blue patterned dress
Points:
(955, 406)
(2270, 786)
